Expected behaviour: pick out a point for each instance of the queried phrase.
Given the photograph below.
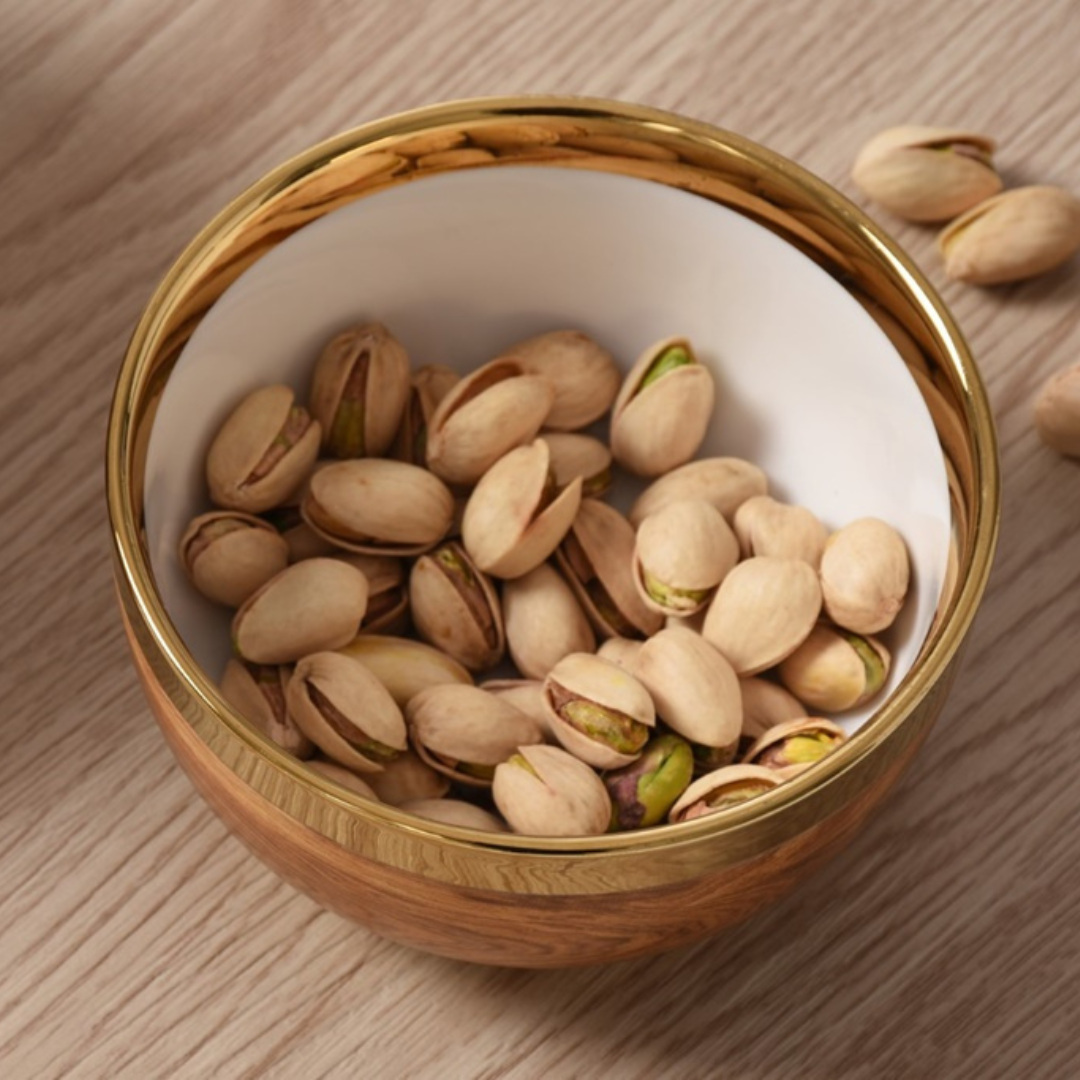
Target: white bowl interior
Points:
(461, 265)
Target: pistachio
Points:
(455, 607)
(682, 552)
(514, 519)
(496, 408)
(834, 670)
(864, 576)
(724, 788)
(791, 748)
(346, 711)
(621, 651)
(388, 599)
(262, 452)
(464, 732)
(763, 611)
(927, 173)
(455, 812)
(597, 559)
(765, 704)
(405, 667)
(544, 791)
(430, 384)
(598, 711)
(642, 793)
(1014, 235)
(406, 779)
(359, 391)
(544, 621)
(725, 482)
(574, 455)
(524, 694)
(308, 607)
(708, 759)
(257, 692)
(765, 526)
(378, 507)
(300, 538)
(662, 410)
(583, 375)
(228, 555)
(1057, 412)
(345, 777)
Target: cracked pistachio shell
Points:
(763, 611)
(455, 812)
(308, 607)
(621, 651)
(388, 598)
(465, 732)
(544, 791)
(1014, 235)
(724, 788)
(682, 552)
(726, 482)
(514, 520)
(359, 390)
(662, 410)
(790, 748)
(378, 507)
(642, 793)
(407, 778)
(583, 375)
(430, 384)
(544, 621)
(766, 704)
(1057, 412)
(228, 555)
(257, 692)
(345, 711)
(456, 608)
(695, 690)
(345, 777)
(403, 666)
(927, 173)
(524, 694)
(765, 526)
(573, 455)
(597, 558)
(864, 576)
(598, 711)
(263, 451)
(497, 407)
(834, 670)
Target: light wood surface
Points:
(138, 938)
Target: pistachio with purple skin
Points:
(643, 792)
(791, 748)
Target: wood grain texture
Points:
(139, 939)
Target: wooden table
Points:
(139, 939)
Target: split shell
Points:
(835, 670)
(768, 751)
(573, 455)
(430, 384)
(524, 694)
(388, 595)
(732, 785)
(228, 555)
(726, 482)
(405, 667)
(865, 574)
(257, 692)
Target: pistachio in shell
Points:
(834, 670)
(662, 410)
(765, 526)
(345, 777)
(726, 482)
(359, 390)
(257, 692)
(791, 748)
(228, 555)
(406, 779)
(345, 711)
(524, 694)
(724, 788)
(621, 651)
(574, 455)
(388, 594)
(405, 667)
(262, 452)
(864, 576)
(430, 384)
(455, 812)
(765, 704)
(643, 792)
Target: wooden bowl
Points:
(516, 194)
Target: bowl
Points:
(465, 227)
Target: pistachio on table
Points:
(834, 670)
(726, 482)
(257, 692)
(791, 748)
(644, 791)
(1057, 412)
(574, 455)
(404, 666)
(721, 789)
(864, 576)
(765, 526)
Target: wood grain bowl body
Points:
(507, 900)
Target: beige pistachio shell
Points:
(545, 791)
(574, 455)
(864, 576)
(695, 690)
(659, 426)
(456, 608)
(766, 704)
(497, 407)
(762, 612)
(682, 552)
(388, 596)
(834, 670)
(927, 173)
(597, 710)
(722, 789)
(1014, 235)
(455, 812)
(513, 520)
(406, 779)
(228, 555)
(1057, 412)
(345, 777)
(345, 711)
(621, 651)
(583, 375)
(726, 482)
(257, 692)
(405, 667)
(378, 507)
(524, 694)
(765, 526)
(430, 384)
(305, 543)
(597, 559)
(544, 621)
(308, 607)
(790, 748)
(263, 451)
(359, 390)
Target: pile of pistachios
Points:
(435, 608)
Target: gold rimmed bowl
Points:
(465, 227)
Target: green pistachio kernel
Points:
(676, 356)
